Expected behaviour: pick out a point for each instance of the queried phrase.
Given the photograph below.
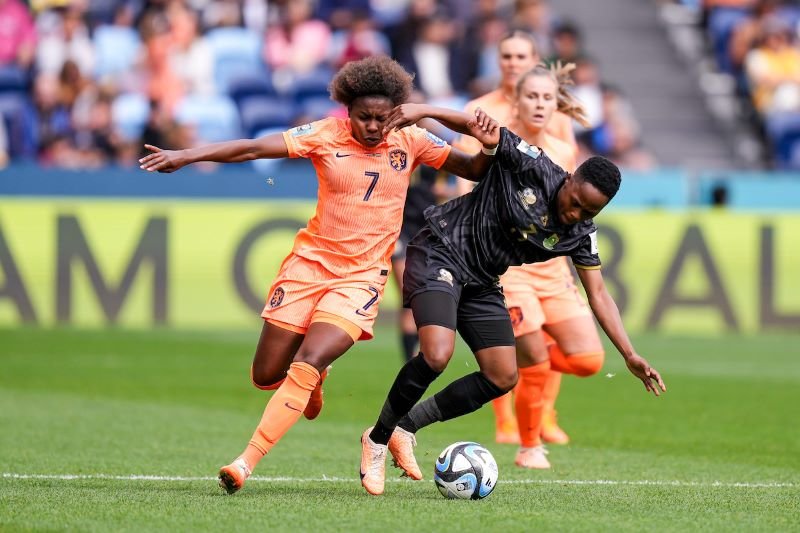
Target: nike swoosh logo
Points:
(361, 313)
(292, 408)
(342, 155)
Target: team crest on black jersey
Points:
(551, 241)
(277, 297)
(398, 159)
(527, 197)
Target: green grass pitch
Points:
(720, 451)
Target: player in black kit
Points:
(526, 209)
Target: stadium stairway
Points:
(628, 41)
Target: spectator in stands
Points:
(535, 17)
(404, 34)
(773, 69)
(190, 57)
(623, 132)
(298, 43)
(161, 82)
(490, 30)
(17, 34)
(588, 91)
(54, 120)
(4, 157)
(67, 39)
(567, 43)
(746, 34)
(358, 40)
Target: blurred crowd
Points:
(757, 42)
(85, 83)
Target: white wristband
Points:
(488, 151)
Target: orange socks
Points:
(552, 386)
(504, 413)
(282, 411)
(530, 402)
(579, 364)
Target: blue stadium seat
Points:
(312, 84)
(236, 52)
(13, 79)
(129, 113)
(721, 23)
(783, 131)
(266, 112)
(317, 107)
(19, 117)
(250, 84)
(215, 117)
(116, 48)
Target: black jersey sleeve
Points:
(514, 154)
(507, 155)
(586, 255)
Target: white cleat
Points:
(373, 464)
(535, 457)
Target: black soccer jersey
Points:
(511, 217)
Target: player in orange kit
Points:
(518, 54)
(326, 294)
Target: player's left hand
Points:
(484, 128)
(640, 368)
(404, 115)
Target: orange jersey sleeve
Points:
(361, 191)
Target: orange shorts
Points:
(304, 292)
(529, 312)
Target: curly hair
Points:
(371, 76)
(602, 174)
(560, 74)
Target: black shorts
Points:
(430, 267)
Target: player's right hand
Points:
(484, 128)
(161, 160)
(640, 368)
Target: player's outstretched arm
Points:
(607, 314)
(480, 125)
(268, 147)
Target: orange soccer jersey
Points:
(339, 264)
(361, 191)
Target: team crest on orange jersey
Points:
(277, 297)
(398, 159)
(516, 315)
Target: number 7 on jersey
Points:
(374, 176)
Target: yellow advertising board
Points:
(209, 264)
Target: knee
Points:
(437, 354)
(265, 380)
(504, 380)
(318, 360)
(587, 365)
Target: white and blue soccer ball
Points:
(466, 471)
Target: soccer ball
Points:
(466, 471)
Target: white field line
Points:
(325, 479)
